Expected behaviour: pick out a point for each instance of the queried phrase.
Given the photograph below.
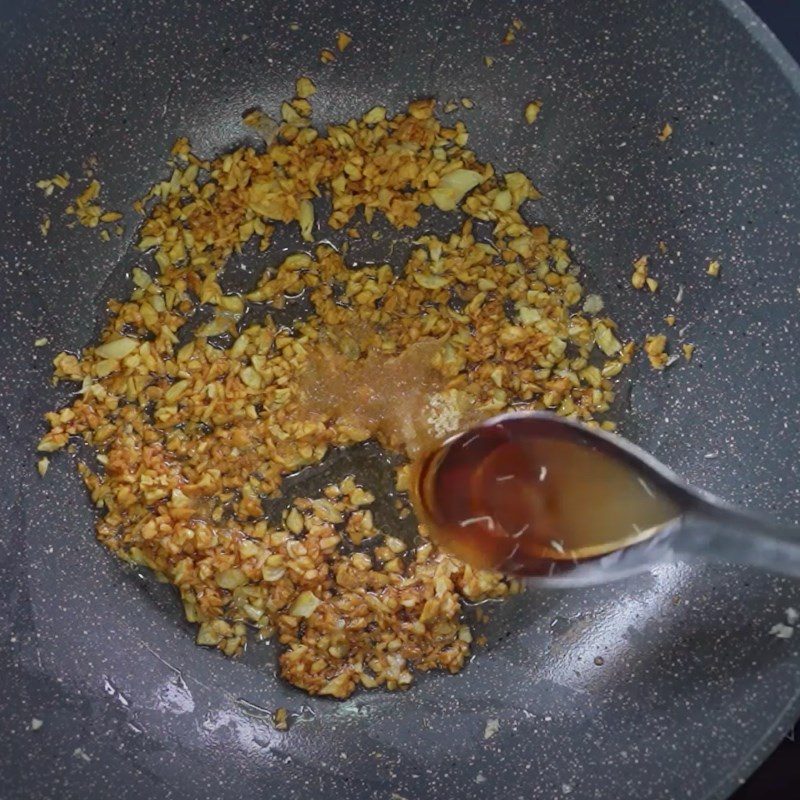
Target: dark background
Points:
(779, 776)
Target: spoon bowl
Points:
(536, 495)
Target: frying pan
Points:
(669, 685)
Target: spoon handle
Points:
(730, 535)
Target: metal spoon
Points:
(702, 527)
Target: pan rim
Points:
(762, 34)
(757, 755)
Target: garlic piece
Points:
(305, 604)
(306, 220)
(453, 186)
(118, 348)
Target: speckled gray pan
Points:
(668, 686)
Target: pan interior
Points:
(651, 686)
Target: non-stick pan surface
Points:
(662, 687)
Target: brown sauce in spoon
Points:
(511, 497)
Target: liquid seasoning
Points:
(516, 496)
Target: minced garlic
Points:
(193, 429)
